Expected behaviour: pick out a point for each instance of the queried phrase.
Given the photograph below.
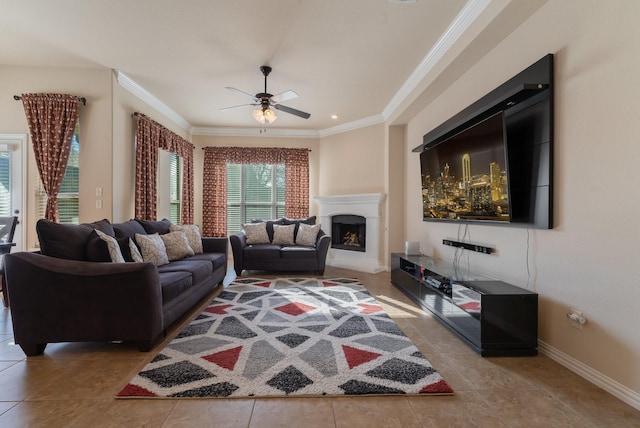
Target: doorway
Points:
(12, 181)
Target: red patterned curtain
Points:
(52, 120)
(214, 194)
(172, 142)
(151, 136)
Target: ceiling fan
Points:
(264, 100)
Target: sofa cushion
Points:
(298, 252)
(128, 229)
(173, 284)
(152, 249)
(256, 233)
(177, 245)
(199, 269)
(160, 226)
(263, 251)
(65, 241)
(103, 226)
(283, 234)
(193, 235)
(307, 235)
(217, 260)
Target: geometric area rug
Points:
(288, 337)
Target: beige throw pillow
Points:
(177, 245)
(307, 235)
(256, 233)
(283, 235)
(135, 253)
(112, 246)
(152, 248)
(193, 235)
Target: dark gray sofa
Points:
(280, 258)
(61, 295)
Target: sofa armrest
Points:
(322, 244)
(59, 300)
(238, 242)
(215, 245)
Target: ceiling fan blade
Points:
(240, 106)
(253, 97)
(284, 96)
(292, 111)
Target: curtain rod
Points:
(83, 100)
(205, 148)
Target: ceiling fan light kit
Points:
(264, 116)
(264, 101)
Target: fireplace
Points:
(360, 216)
(349, 232)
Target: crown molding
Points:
(130, 85)
(288, 133)
(255, 132)
(351, 126)
(467, 16)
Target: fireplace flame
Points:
(352, 239)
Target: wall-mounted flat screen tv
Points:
(465, 177)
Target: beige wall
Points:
(95, 131)
(353, 162)
(588, 261)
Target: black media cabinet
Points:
(492, 317)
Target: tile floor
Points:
(74, 384)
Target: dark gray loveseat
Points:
(275, 257)
(72, 292)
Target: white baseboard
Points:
(614, 388)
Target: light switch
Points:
(98, 204)
(98, 191)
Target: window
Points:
(5, 182)
(175, 187)
(69, 195)
(254, 191)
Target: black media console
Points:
(492, 317)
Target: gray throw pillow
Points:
(177, 245)
(153, 249)
(307, 235)
(112, 245)
(283, 235)
(193, 235)
(256, 233)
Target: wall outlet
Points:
(576, 318)
(98, 204)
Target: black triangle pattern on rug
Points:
(295, 337)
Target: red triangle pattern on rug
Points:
(369, 309)
(225, 359)
(355, 357)
(294, 337)
(219, 309)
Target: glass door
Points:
(12, 168)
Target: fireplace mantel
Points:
(367, 205)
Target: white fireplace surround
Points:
(366, 205)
